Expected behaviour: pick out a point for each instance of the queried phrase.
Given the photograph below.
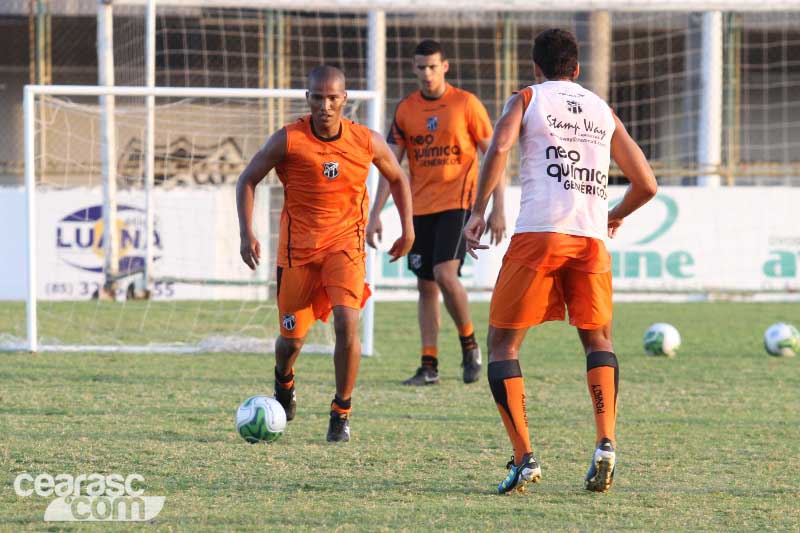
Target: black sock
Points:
(468, 342)
(287, 381)
(343, 404)
(431, 361)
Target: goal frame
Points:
(31, 92)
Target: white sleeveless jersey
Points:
(565, 144)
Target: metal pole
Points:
(599, 30)
(150, 148)
(376, 81)
(32, 42)
(260, 67)
(30, 217)
(734, 93)
(282, 38)
(40, 37)
(108, 141)
(709, 144)
(41, 77)
(270, 71)
(48, 44)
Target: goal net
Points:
(202, 296)
(648, 59)
(720, 113)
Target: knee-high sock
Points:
(508, 390)
(602, 376)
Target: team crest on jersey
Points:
(574, 107)
(433, 123)
(289, 322)
(330, 169)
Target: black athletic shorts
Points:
(439, 237)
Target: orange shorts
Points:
(309, 292)
(543, 272)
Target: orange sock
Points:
(466, 330)
(508, 390)
(602, 376)
(430, 351)
(430, 356)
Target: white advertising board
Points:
(196, 237)
(686, 239)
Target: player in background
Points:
(567, 136)
(322, 161)
(441, 128)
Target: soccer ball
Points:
(260, 418)
(662, 339)
(782, 340)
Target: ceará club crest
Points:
(330, 169)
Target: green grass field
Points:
(707, 441)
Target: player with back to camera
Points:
(322, 161)
(441, 128)
(567, 136)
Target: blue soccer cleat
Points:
(601, 471)
(528, 471)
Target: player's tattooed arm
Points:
(259, 166)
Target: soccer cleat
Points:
(426, 375)
(339, 427)
(528, 471)
(601, 471)
(287, 399)
(471, 363)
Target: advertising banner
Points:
(687, 239)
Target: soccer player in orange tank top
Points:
(557, 255)
(441, 128)
(322, 161)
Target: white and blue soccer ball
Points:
(782, 340)
(260, 419)
(662, 339)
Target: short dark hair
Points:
(428, 47)
(556, 52)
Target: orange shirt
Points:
(440, 137)
(325, 202)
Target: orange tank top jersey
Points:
(325, 203)
(440, 137)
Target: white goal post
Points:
(32, 92)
